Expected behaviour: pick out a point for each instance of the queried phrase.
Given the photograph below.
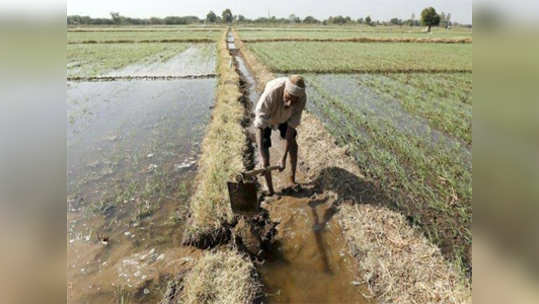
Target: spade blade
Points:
(243, 198)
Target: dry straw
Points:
(223, 277)
(397, 262)
(221, 158)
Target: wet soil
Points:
(132, 157)
(306, 260)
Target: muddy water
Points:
(309, 262)
(198, 59)
(132, 151)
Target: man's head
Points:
(294, 90)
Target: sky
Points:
(461, 10)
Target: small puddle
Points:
(309, 261)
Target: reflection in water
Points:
(311, 264)
(132, 151)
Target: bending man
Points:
(279, 108)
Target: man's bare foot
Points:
(292, 181)
(266, 192)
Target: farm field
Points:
(323, 33)
(323, 57)
(99, 59)
(384, 168)
(425, 172)
(140, 35)
(132, 148)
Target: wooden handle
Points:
(260, 171)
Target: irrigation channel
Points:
(308, 262)
(132, 149)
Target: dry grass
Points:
(397, 262)
(221, 158)
(223, 277)
(364, 40)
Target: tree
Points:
(116, 18)
(155, 20)
(293, 19)
(368, 20)
(211, 17)
(241, 18)
(310, 20)
(227, 16)
(396, 21)
(430, 18)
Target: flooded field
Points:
(156, 59)
(132, 155)
(426, 172)
(197, 59)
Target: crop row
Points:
(349, 34)
(140, 35)
(363, 57)
(89, 60)
(431, 184)
(444, 102)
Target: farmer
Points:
(279, 108)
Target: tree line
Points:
(429, 18)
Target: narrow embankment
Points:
(394, 261)
(223, 274)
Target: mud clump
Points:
(209, 240)
(255, 235)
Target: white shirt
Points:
(270, 110)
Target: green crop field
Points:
(342, 34)
(96, 59)
(424, 172)
(140, 35)
(362, 57)
(445, 100)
